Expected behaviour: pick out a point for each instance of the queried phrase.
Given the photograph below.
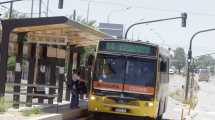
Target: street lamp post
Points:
(189, 60)
(113, 11)
(183, 17)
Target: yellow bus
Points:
(129, 78)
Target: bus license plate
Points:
(121, 110)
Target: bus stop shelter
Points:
(50, 40)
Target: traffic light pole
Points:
(189, 60)
(183, 17)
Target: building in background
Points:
(113, 30)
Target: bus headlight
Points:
(149, 104)
(92, 97)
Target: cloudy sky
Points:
(201, 15)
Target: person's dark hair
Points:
(74, 71)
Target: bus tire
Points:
(96, 116)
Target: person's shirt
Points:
(75, 77)
(75, 81)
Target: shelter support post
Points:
(69, 76)
(41, 74)
(18, 69)
(4, 57)
(31, 68)
(78, 57)
(61, 78)
(52, 80)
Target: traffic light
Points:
(60, 4)
(184, 19)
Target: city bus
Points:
(129, 78)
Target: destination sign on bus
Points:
(134, 48)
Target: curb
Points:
(50, 117)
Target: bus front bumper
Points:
(138, 108)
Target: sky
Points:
(201, 15)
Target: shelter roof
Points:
(56, 31)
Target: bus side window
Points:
(164, 71)
(163, 66)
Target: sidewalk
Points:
(174, 110)
(61, 111)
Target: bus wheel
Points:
(93, 116)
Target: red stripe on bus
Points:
(127, 87)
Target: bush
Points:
(4, 105)
(11, 63)
(33, 111)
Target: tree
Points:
(179, 60)
(206, 61)
(15, 15)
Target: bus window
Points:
(109, 69)
(140, 72)
(163, 66)
(164, 70)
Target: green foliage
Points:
(4, 105)
(85, 52)
(11, 63)
(179, 59)
(205, 61)
(33, 111)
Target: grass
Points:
(4, 105)
(33, 111)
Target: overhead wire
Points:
(154, 9)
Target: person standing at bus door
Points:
(82, 88)
(74, 85)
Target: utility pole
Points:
(40, 7)
(88, 9)
(74, 15)
(11, 10)
(47, 9)
(32, 8)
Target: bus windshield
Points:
(110, 69)
(120, 69)
(140, 72)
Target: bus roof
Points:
(132, 41)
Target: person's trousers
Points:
(74, 100)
